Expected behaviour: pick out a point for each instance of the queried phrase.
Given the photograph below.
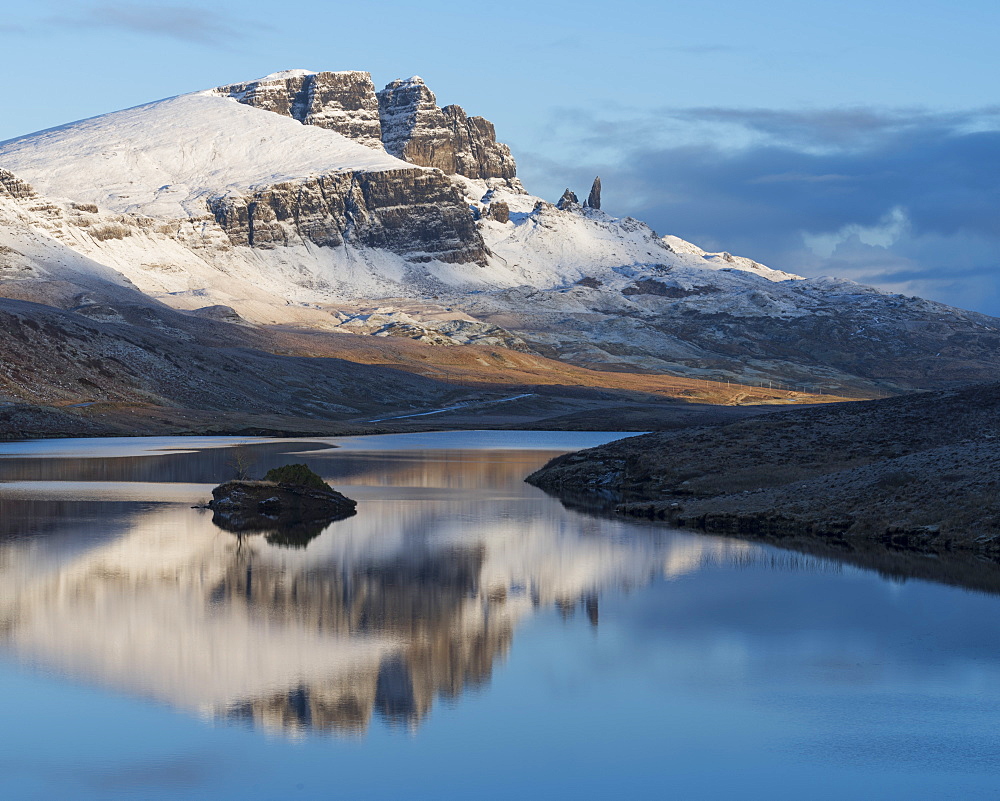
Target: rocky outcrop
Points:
(568, 200)
(594, 199)
(499, 211)
(416, 130)
(415, 213)
(404, 118)
(477, 152)
(389, 323)
(649, 286)
(226, 314)
(249, 506)
(344, 102)
(12, 186)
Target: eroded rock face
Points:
(284, 95)
(499, 211)
(569, 200)
(413, 127)
(404, 118)
(594, 199)
(14, 187)
(412, 212)
(344, 102)
(416, 130)
(477, 152)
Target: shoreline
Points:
(919, 472)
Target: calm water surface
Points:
(462, 636)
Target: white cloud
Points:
(893, 225)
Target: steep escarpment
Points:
(416, 130)
(415, 213)
(404, 118)
(918, 471)
(344, 102)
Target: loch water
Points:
(462, 636)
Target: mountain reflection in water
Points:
(415, 598)
(552, 652)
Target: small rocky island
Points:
(291, 504)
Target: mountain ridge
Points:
(274, 198)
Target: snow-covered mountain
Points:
(310, 199)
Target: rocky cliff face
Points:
(477, 152)
(416, 130)
(12, 186)
(412, 212)
(344, 102)
(404, 118)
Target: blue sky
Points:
(852, 138)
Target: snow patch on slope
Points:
(547, 247)
(30, 257)
(284, 75)
(725, 260)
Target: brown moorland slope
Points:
(479, 365)
(123, 364)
